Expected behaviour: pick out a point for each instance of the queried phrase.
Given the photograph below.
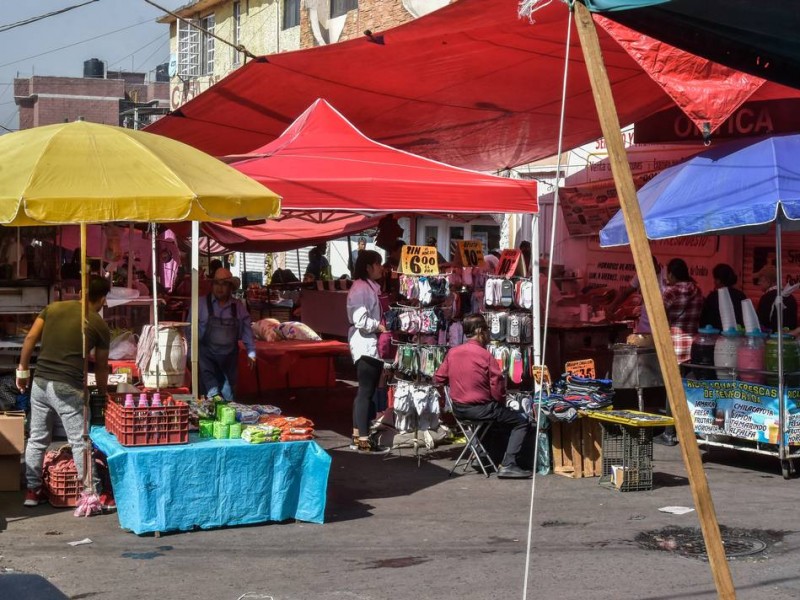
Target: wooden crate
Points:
(577, 448)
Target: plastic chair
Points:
(474, 432)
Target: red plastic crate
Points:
(63, 488)
(151, 426)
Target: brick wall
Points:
(375, 15)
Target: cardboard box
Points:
(12, 433)
(10, 473)
(621, 475)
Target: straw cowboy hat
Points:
(225, 276)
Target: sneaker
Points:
(107, 502)
(34, 497)
(353, 443)
(369, 446)
(513, 472)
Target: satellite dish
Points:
(173, 65)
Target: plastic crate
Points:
(151, 426)
(63, 488)
(627, 457)
(97, 405)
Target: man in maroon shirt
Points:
(477, 389)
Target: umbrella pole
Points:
(779, 307)
(154, 232)
(195, 316)
(626, 191)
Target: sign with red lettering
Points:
(509, 263)
(471, 252)
(581, 368)
(752, 118)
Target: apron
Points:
(222, 334)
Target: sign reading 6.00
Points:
(419, 260)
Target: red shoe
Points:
(107, 502)
(34, 497)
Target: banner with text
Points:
(747, 411)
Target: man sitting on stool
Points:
(477, 389)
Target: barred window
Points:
(342, 7)
(291, 13)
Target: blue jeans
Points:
(218, 373)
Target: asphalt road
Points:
(397, 530)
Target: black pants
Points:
(368, 371)
(496, 413)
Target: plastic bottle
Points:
(129, 401)
(726, 351)
(156, 400)
(702, 352)
(791, 360)
(142, 400)
(750, 358)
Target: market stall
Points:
(736, 188)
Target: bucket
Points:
(169, 372)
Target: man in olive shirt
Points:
(58, 386)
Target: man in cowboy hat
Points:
(224, 321)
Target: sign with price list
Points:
(471, 252)
(510, 262)
(419, 260)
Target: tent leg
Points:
(195, 311)
(642, 256)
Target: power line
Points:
(116, 62)
(156, 51)
(40, 17)
(97, 37)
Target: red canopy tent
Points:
(470, 84)
(335, 181)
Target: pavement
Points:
(396, 529)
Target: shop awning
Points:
(323, 163)
(755, 37)
(471, 85)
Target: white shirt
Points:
(364, 315)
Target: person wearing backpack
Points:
(223, 321)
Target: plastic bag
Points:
(543, 455)
(123, 347)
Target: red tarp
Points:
(470, 85)
(323, 163)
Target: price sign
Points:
(581, 368)
(419, 260)
(471, 252)
(509, 261)
(541, 374)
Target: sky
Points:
(123, 33)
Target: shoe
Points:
(353, 443)
(513, 472)
(34, 497)
(107, 502)
(665, 440)
(369, 446)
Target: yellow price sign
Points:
(581, 368)
(419, 260)
(541, 374)
(471, 252)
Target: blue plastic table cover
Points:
(214, 483)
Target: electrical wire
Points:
(97, 37)
(156, 51)
(127, 56)
(538, 404)
(44, 16)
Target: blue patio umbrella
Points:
(738, 187)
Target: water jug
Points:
(725, 353)
(751, 358)
(702, 352)
(791, 360)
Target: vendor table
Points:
(214, 483)
(289, 364)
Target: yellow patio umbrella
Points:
(85, 172)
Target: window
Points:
(195, 48)
(188, 50)
(237, 31)
(342, 7)
(207, 46)
(291, 13)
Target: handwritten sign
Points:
(581, 368)
(471, 252)
(419, 260)
(509, 262)
(541, 374)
